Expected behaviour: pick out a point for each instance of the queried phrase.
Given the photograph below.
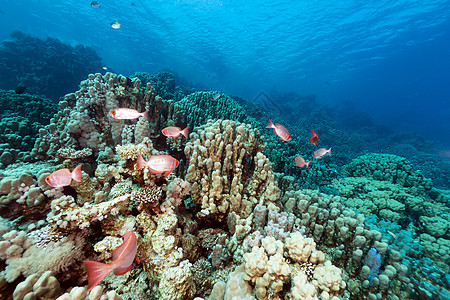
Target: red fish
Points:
(319, 153)
(175, 131)
(314, 138)
(123, 258)
(301, 162)
(158, 164)
(280, 131)
(127, 114)
(64, 177)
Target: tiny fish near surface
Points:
(115, 25)
(280, 131)
(123, 258)
(158, 164)
(64, 177)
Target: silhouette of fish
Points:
(20, 89)
(95, 4)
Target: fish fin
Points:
(97, 271)
(138, 260)
(329, 151)
(270, 125)
(122, 270)
(76, 173)
(307, 164)
(145, 114)
(140, 162)
(166, 173)
(185, 132)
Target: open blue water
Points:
(388, 58)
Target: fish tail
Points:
(97, 271)
(307, 164)
(145, 114)
(185, 132)
(76, 173)
(329, 150)
(140, 162)
(270, 125)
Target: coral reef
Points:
(234, 220)
(22, 117)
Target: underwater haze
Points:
(388, 58)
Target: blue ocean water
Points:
(389, 58)
(381, 69)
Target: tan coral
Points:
(226, 169)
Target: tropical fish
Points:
(319, 153)
(20, 89)
(216, 96)
(175, 131)
(123, 258)
(63, 177)
(392, 234)
(95, 4)
(127, 114)
(280, 131)
(115, 25)
(301, 162)
(314, 138)
(158, 164)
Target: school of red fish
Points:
(125, 254)
(285, 136)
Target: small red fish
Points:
(175, 131)
(123, 258)
(319, 153)
(158, 164)
(280, 131)
(127, 114)
(64, 177)
(301, 162)
(314, 138)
